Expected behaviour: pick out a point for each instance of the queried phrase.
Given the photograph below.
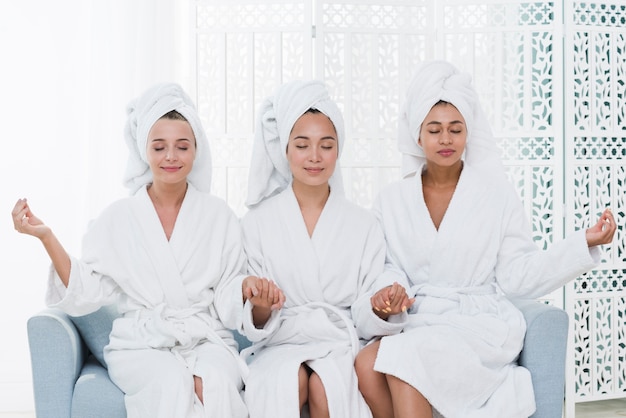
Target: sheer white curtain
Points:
(69, 69)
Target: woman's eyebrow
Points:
(162, 139)
(306, 137)
(435, 122)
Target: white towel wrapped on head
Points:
(436, 81)
(143, 112)
(269, 169)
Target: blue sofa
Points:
(70, 381)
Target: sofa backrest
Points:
(95, 329)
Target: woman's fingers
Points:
(391, 300)
(18, 213)
(380, 299)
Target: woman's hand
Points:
(391, 300)
(262, 293)
(26, 222)
(265, 297)
(602, 232)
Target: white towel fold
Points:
(439, 80)
(269, 169)
(143, 112)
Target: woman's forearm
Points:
(58, 255)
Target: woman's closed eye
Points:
(163, 148)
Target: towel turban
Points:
(440, 81)
(269, 169)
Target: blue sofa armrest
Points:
(544, 354)
(57, 358)
(68, 379)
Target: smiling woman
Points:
(312, 150)
(171, 150)
(69, 68)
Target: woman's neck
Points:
(166, 195)
(311, 197)
(440, 177)
(311, 200)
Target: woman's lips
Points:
(446, 152)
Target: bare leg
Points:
(303, 384)
(372, 384)
(407, 401)
(318, 403)
(197, 385)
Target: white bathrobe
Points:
(326, 279)
(462, 338)
(177, 299)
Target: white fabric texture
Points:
(269, 169)
(177, 299)
(439, 80)
(327, 279)
(462, 337)
(143, 112)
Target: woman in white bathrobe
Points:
(458, 239)
(171, 257)
(322, 254)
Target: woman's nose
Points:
(315, 154)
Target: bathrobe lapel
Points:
(160, 253)
(301, 247)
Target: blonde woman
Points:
(171, 257)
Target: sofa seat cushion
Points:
(95, 395)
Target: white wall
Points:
(68, 69)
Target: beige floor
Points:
(602, 409)
(615, 408)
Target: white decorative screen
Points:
(551, 77)
(595, 177)
(366, 53)
(244, 50)
(510, 48)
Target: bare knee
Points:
(364, 362)
(369, 379)
(372, 384)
